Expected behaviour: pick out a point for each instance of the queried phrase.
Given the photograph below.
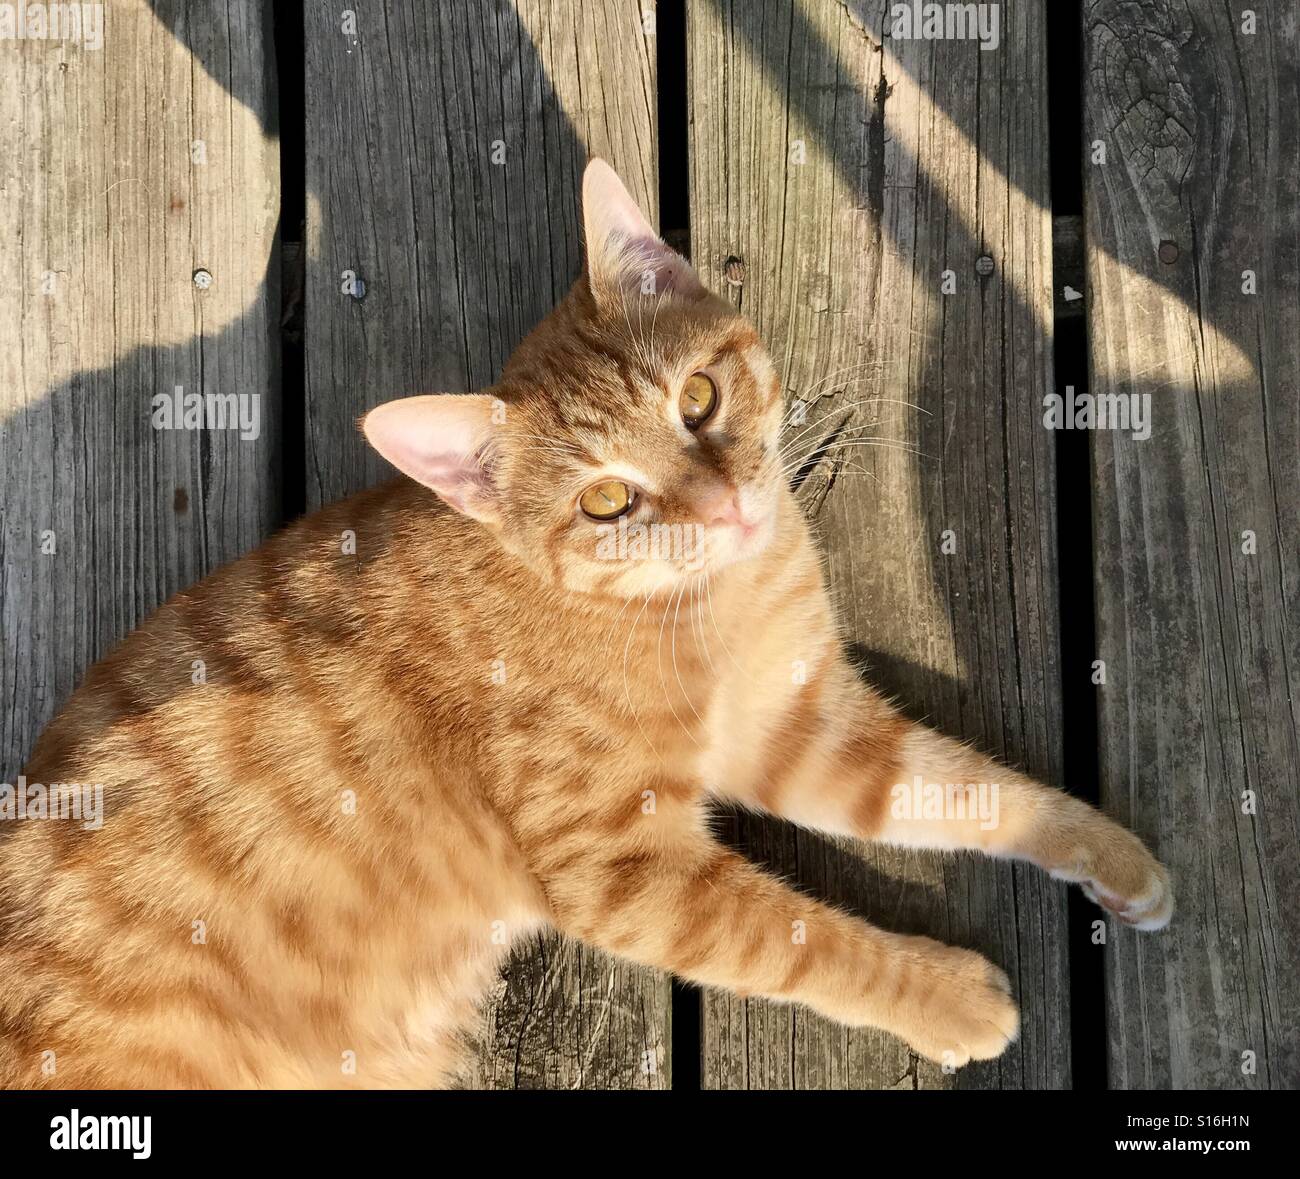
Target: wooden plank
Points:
(123, 170)
(445, 146)
(1196, 624)
(918, 158)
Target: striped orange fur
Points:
(403, 754)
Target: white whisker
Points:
(676, 614)
(627, 691)
(663, 683)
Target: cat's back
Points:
(308, 612)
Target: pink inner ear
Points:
(622, 247)
(608, 209)
(438, 441)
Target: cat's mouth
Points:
(739, 540)
(748, 530)
(649, 556)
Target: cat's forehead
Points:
(591, 371)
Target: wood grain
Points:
(110, 207)
(917, 158)
(1200, 636)
(445, 145)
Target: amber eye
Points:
(607, 500)
(698, 400)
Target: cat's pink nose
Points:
(724, 508)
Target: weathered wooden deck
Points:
(892, 204)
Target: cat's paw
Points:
(1124, 878)
(959, 1008)
(1150, 906)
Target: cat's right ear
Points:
(443, 441)
(624, 254)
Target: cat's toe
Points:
(1148, 908)
(1155, 907)
(969, 1016)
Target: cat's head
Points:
(631, 444)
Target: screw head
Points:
(1168, 252)
(202, 279)
(984, 266)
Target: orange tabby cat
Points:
(508, 708)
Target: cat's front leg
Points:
(950, 795)
(844, 761)
(662, 893)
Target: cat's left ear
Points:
(624, 254)
(443, 441)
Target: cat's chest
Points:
(756, 691)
